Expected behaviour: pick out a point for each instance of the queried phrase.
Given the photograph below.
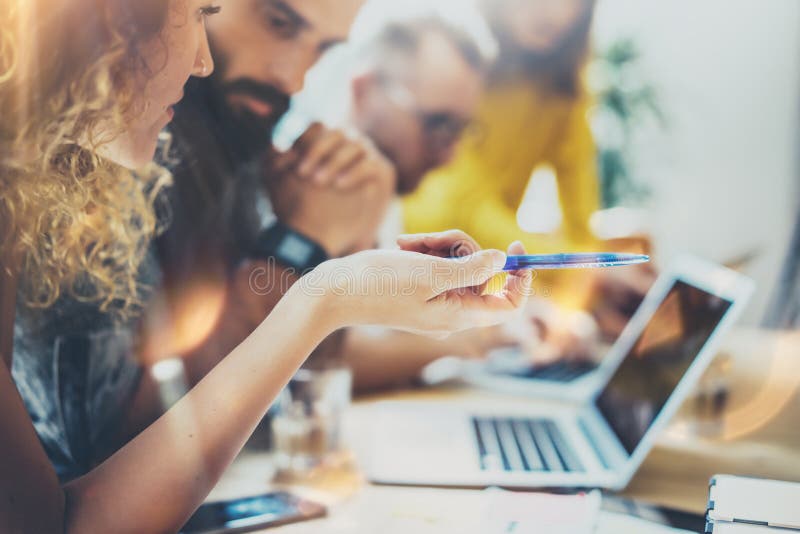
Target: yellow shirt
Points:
(520, 126)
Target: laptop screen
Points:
(664, 351)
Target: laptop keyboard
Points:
(523, 445)
(558, 372)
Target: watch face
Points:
(295, 250)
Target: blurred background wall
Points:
(725, 175)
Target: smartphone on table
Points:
(252, 513)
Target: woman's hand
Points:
(419, 288)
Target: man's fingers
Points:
(363, 171)
(309, 137)
(279, 163)
(348, 159)
(319, 153)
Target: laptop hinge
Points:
(595, 442)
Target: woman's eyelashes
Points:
(209, 10)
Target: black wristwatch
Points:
(290, 248)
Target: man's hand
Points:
(619, 292)
(547, 334)
(333, 189)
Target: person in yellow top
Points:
(534, 112)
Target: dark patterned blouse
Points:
(76, 370)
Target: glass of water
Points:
(307, 420)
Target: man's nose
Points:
(290, 71)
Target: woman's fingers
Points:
(450, 244)
(452, 275)
(485, 310)
(489, 309)
(518, 283)
(518, 288)
(516, 249)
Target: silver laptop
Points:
(597, 442)
(508, 370)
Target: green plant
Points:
(625, 101)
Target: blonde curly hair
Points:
(70, 221)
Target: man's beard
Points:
(248, 134)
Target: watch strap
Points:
(289, 247)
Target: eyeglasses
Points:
(442, 128)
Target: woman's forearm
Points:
(156, 481)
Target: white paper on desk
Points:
(435, 511)
(384, 510)
(535, 513)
